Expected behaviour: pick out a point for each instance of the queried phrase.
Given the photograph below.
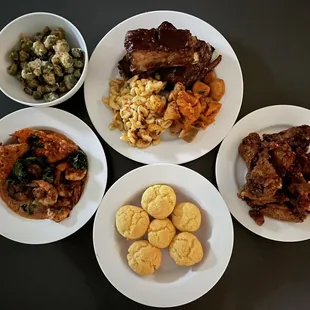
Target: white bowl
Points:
(30, 24)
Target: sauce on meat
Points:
(33, 199)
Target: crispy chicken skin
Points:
(283, 158)
(277, 183)
(303, 159)
(262, 180)
(300, 188)
(249, 148)
(280, 212)
(52, 146)
(255, 202)
(294, 136)
(9, 154)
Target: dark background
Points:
(272, 42)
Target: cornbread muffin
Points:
(159, 201)
(186, 217)
(185, 249)
(131, 222)
(143, 258)
(161, 232)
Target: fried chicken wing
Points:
(295, 136)
(277, 183)
(249, 148)
(257, 216)
(50, 145)
(255, 202)
(300, 188)
(9, 154)
(280, 212)
(283, 158)
(263, 180)
(303, 159)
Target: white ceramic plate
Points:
(170, 285)
(231, 169)
(29, 231)
(103, 67)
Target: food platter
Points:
(175, 285)
(103, 67)
(231, 170)
(37, 231)
(161, 88)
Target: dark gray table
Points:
(272, 42)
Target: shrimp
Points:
(63, 203)
(44, 192)
(58, 215)
(64, 190)
(77, 192)
(72, 174)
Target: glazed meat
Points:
(174, 54)
(188, 75)
(249, 148)
(277, 183)
(166, 46)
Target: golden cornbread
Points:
(143, 258)
(161, 232)
(131, 222)
(185, 249)
(186, 217)
(158, 201)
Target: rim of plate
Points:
(225, 170)
(90, 199)
(154, 300)
(141, 158)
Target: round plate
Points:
(231, 169)
(29, 231)
(170, 285)
(103, 67)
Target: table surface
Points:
(271, 40)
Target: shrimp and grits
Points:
(42, 174)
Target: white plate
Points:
(103, 67)
(231, 169)
(29, 231)
(170, 285)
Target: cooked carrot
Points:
(211, 76)
(217, 87)
(213, 109)
(201, 89)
